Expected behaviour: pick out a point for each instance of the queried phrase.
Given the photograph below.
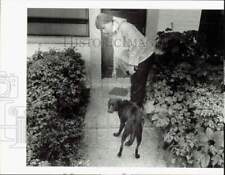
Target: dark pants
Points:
(138, 81)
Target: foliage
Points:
(56, 104)
(187, 90)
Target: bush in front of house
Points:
(56, 105)
(187, 90)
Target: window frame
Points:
(57, 20)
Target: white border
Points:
(13, 59)
(127, 4)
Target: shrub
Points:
(186, 87)
(56, 105)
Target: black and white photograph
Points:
(112, 87)
(125, 87)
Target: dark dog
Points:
(131, 119)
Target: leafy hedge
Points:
(56, 104)
(186, 87)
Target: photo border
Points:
(14, 160)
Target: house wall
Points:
(180, 20)
(95, 49)
(90, 48)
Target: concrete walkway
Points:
(101, 146)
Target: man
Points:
(132, 52)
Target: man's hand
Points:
(135, 68)
(131, 70)
(158, 51)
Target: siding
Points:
(182, 19)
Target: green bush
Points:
(186, 87)
(56, 104)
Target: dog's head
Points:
(113, 104)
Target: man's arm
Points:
(135, 40)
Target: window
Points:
(58, 22)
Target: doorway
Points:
(135, 16)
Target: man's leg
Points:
(138, 82)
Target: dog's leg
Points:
(124, 136)
(139, 138)
(122, 124)
(137, 155)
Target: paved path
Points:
(101, 146)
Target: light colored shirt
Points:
(130, 46)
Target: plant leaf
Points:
(202, 137)
(204, 160)
(215, 160)
(209, 133)
(219, 138)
